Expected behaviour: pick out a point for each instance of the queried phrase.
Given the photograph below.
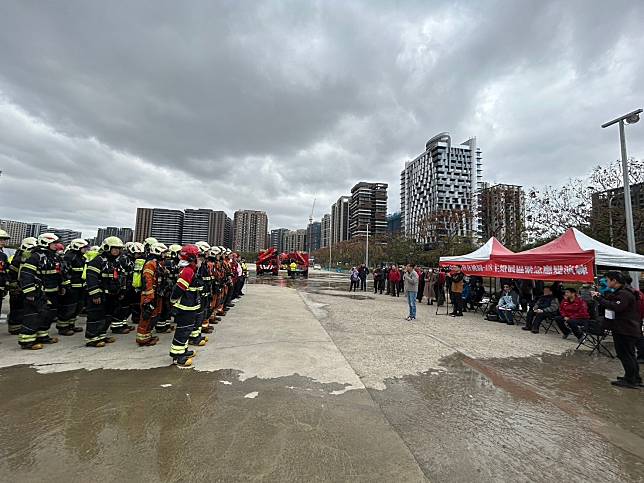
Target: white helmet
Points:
(228, 251)
(214, 251)
(94, 248)
(4, 235)
(111, 242)
(203, 247)
(148, 242)
(158, 249)
(47, 239)
(28, 243)
(135, 247)
(77, 244)
(175, 249)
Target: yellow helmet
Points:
(4, 235)
(148, 242)
(111, 242)
(175, 249)
(203, 247)
(47, 239)
(77, 244)
(158, 249)
(28, 243)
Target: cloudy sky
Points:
(106, 106)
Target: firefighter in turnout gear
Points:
(4, 266)
(147, 243)
(16, 297)
(136, 255)
(41, 281)
(103, 290)
(202, 279)
(215, 289)
(72, 302)
(125, 263)
(151, 294)
(171, 263)
(185, 300)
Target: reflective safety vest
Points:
(89, 256)
(293, 266)
(137, 281)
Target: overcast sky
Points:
(106, 106)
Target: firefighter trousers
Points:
(123, 310)
(39, 314)
(145, 325)
(99, 317)
(69, 308)
(16, 310)
(185, 322)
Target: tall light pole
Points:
(366, 254)
(630, 118)
(610, 219)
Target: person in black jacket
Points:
(622, 318)
(544, 306)
(72, 302)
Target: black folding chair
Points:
(549, 323)
(482, 305)
(594, 339)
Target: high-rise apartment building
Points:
(295, 241)
(197, 225)
(221, 230)
(35, 229)
(340, 220)
(368, 210)
(125, 234)
(17, 230)
(325, 230)
(502, 214)
(608, 219)
(393, 224)
(313, 236)
(250, 228)
(143, 225)
(277, 240)
(65, 235)
(442, 183)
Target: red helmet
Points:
(59, 247)
(189, 253)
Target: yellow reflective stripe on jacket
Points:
(78, 285)
(29, 265)
(78, 269)
(95, 291)
(108, 275)
(50, 290)
(66, 282)
(186, 307)
(147, 292)
(183, 282)
(28, 289)
(49, 272)
(93, 269)
(148, 271)
(194, 289)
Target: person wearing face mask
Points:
(186, 302)
(103, 290)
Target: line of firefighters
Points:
(49, 283)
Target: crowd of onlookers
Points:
(609, 304)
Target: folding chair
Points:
(482, 305)
(549, 323)
(594, 338)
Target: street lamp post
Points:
(630, 118)
(610, 219)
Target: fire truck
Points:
(268, 261)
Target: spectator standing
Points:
(573, 312)
(355, 279)
(363, 271)
(421, 284)
(622, 317)
(377, 278)
(410, 280)
(456, 291)
(430, 282)
(394, 281)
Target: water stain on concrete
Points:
(107, 425)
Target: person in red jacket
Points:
(394, 281)
(573, 313)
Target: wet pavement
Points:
(320, 384)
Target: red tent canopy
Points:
(560, 260)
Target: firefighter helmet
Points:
(59, 247)
(189, 253)
(214, 251)
(47, 239)
(28, 243)
(158, 249)
(203, 247)
(135, 248)
(4, 235)
(111, 242)
(77, 244)
(148, 242)
(174, 249)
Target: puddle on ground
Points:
(500, 425)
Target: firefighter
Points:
(147, 243)
(16, 297)
(72, 302)
(151, 294)
(186, 303)
(125, 264)
(103, 290)
(228, 269)
(4, 266)
(41, 281)
(171, 262)
(136, 254)
(213, 267)
(202, 279)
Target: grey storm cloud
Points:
(106, 106)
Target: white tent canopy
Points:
(481, 254)
(608, 256)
